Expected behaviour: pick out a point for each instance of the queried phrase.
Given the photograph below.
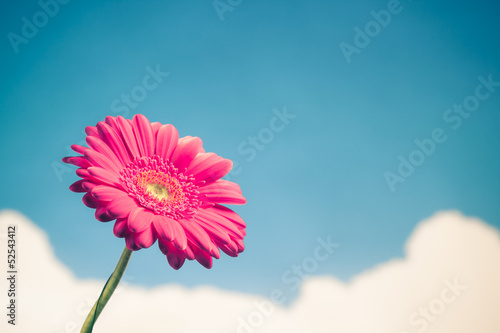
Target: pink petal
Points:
(89, 201)
(196, 234)
(79, 149)
(131, 244)
(98, 159)
(128, 136)
(232, 246)
(100, 146)
(144, 135)
(230, 249)
(120, 207)
(215, 232)
(186, 150)
(175, 260)
(204, 259)
(163, 245)
(214, 252)
(221, 221)
(240, 244)
(155, 127)
(225, 184)
(229, 214)
(210, 172)
(166, 141)
(101, 214)
(111, 121)
(79, 161)
(91, 131)
(104, 176)
(163, 227)
(77, 186)
(175, 256)
(88, 185)
(145, 238)
(83, 173)
(107, 193)
(139, 219)
(219, 194)
(180, 240)
(188, 251)
(113, 140)
(120, 228)
(201, 160)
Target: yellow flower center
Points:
(158, 190)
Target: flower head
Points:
(159, 187)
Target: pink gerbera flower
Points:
(159, 187)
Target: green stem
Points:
(108, 290)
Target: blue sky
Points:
(322, 174)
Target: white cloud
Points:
(448, 282)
